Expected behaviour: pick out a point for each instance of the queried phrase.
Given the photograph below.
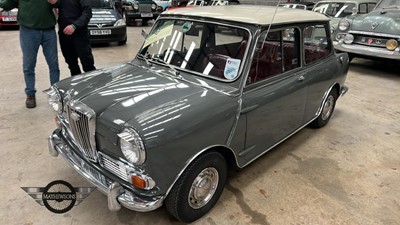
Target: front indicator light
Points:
(138, 182)
(142, 182)
(391, 44)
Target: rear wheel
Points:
(327, 109)
(198, 189)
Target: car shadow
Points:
(7, 28)
(380, 67)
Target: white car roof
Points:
(261, 15)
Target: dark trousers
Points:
(77, 46)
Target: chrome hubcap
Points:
(203, 187)
(328, 106)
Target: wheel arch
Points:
(225, 151)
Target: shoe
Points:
(30, 101)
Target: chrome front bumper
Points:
(117, 194)
(367, 50)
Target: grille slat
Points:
(113, 166)
(81, 124)
(145, 8)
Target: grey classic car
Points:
(339, 9)
(209, 90)
(372, 35)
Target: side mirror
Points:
(144, 33)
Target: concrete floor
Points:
(346, 173)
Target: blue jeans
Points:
(30, 40)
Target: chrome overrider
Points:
(117, 194)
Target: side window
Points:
(316, 45)
(371, 6)
(363, 8)
(276, 52)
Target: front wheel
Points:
(198, 189)
(327, 109)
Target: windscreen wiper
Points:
(172, 69)
(141, 56)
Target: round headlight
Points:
(339, 36)
(391, 44)
(54, 99)
(153, 6)
(348, 39)
(344, 25)
(135, 6)
(132, 146)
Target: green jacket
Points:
(36, 14)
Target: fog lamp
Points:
(348, 39)
(391, 44)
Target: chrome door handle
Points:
(301, 78)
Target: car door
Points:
(274, 98)
(319, 66)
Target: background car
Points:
(107, 24)
(372, 35)
(338, 9)
(145, 10)
(164, 3)
(293, 6)
(208, 91)
(9, 18)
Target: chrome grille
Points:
(114, 166)
(145, 8)
(81, 122)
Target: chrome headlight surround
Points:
(135, 6)
(54, 99)
(132, 146)
(153, 6)
(120, 22)
(344, 25)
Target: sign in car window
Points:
(164, 31)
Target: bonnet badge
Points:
(374, 25)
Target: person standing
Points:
(73, 18)
(37, 28)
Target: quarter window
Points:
(277, 52)
(316, 45)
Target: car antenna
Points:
(272, 20)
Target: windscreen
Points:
(335, 9)
(212, 50)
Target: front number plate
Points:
(100, 32)
(146, 14)
(10, 19)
